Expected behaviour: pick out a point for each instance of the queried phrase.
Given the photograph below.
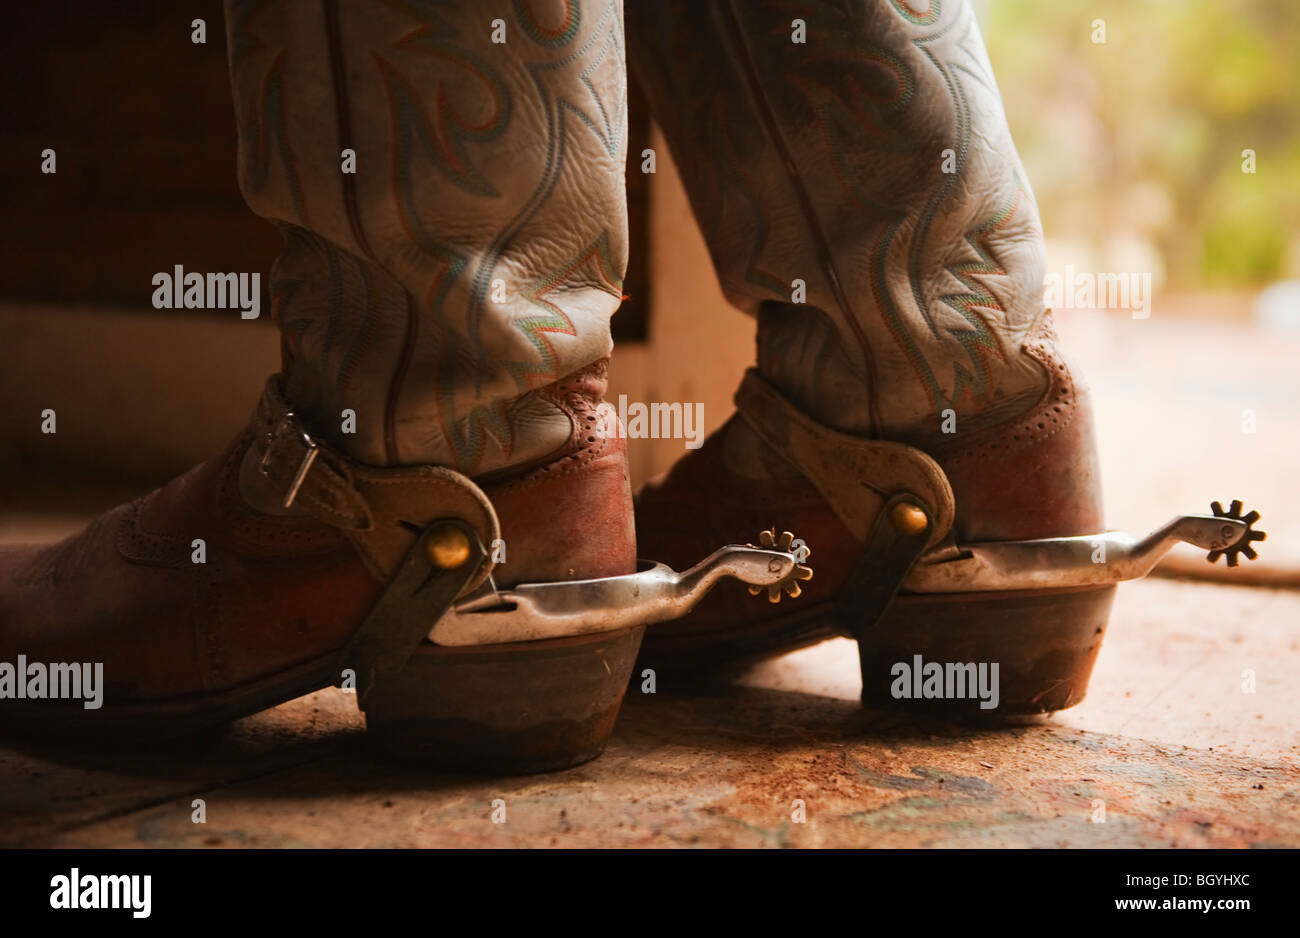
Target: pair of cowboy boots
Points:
(449, 182)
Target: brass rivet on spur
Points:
(447, 546)
(908, 518)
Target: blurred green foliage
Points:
(1143, 134)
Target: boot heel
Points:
(1044, 643)
(523, 707)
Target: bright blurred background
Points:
(1138, 150)
(1134, 146)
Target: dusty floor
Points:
(1167, 749)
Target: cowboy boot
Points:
(449, 187)
(857, 186)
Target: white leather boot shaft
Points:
(477, 251)
(860, 192)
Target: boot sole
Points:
(517, 708)
(1045, 643)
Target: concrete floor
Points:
(1167, 744)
